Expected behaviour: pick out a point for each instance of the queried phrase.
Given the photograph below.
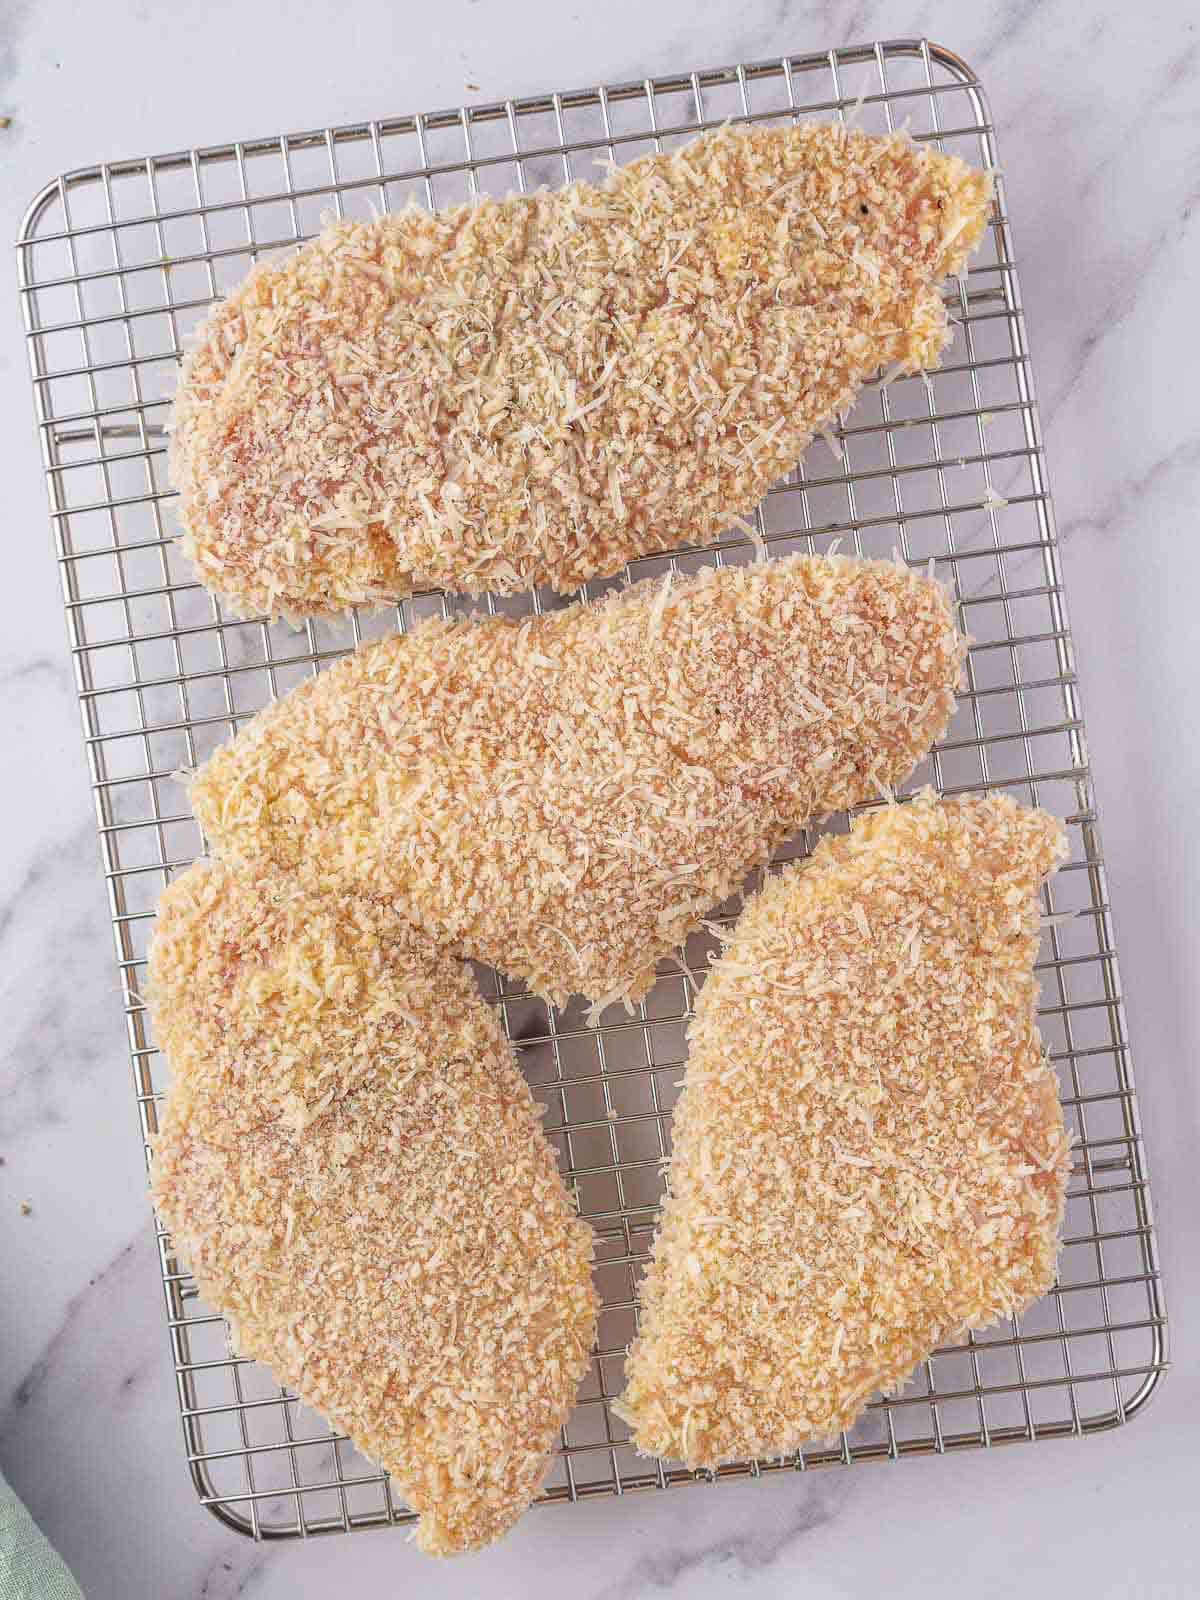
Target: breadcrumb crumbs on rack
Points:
(869, 1150)
(354, 1168)
(537, 389)
(565, 796)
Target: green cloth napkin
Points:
(30, 1569)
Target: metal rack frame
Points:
(118, 262)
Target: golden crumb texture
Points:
(869, 1151)
(535, 390)
(565, 796)
(353, 1166)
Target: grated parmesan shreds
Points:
(876, 1125)
(564, 797)
(535, 390)
(353, 1166)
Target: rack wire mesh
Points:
(118, 262)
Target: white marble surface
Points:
(1098, 109)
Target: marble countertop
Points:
(1097, 108)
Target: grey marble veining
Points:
(1098, 109)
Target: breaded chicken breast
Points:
(538, 389)
(354, 1168)
(565, 796)
(869, 1151)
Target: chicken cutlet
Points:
(565, 796)
(869, 1151)
(354, 1168)
(538, 389)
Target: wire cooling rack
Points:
(118, 263)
